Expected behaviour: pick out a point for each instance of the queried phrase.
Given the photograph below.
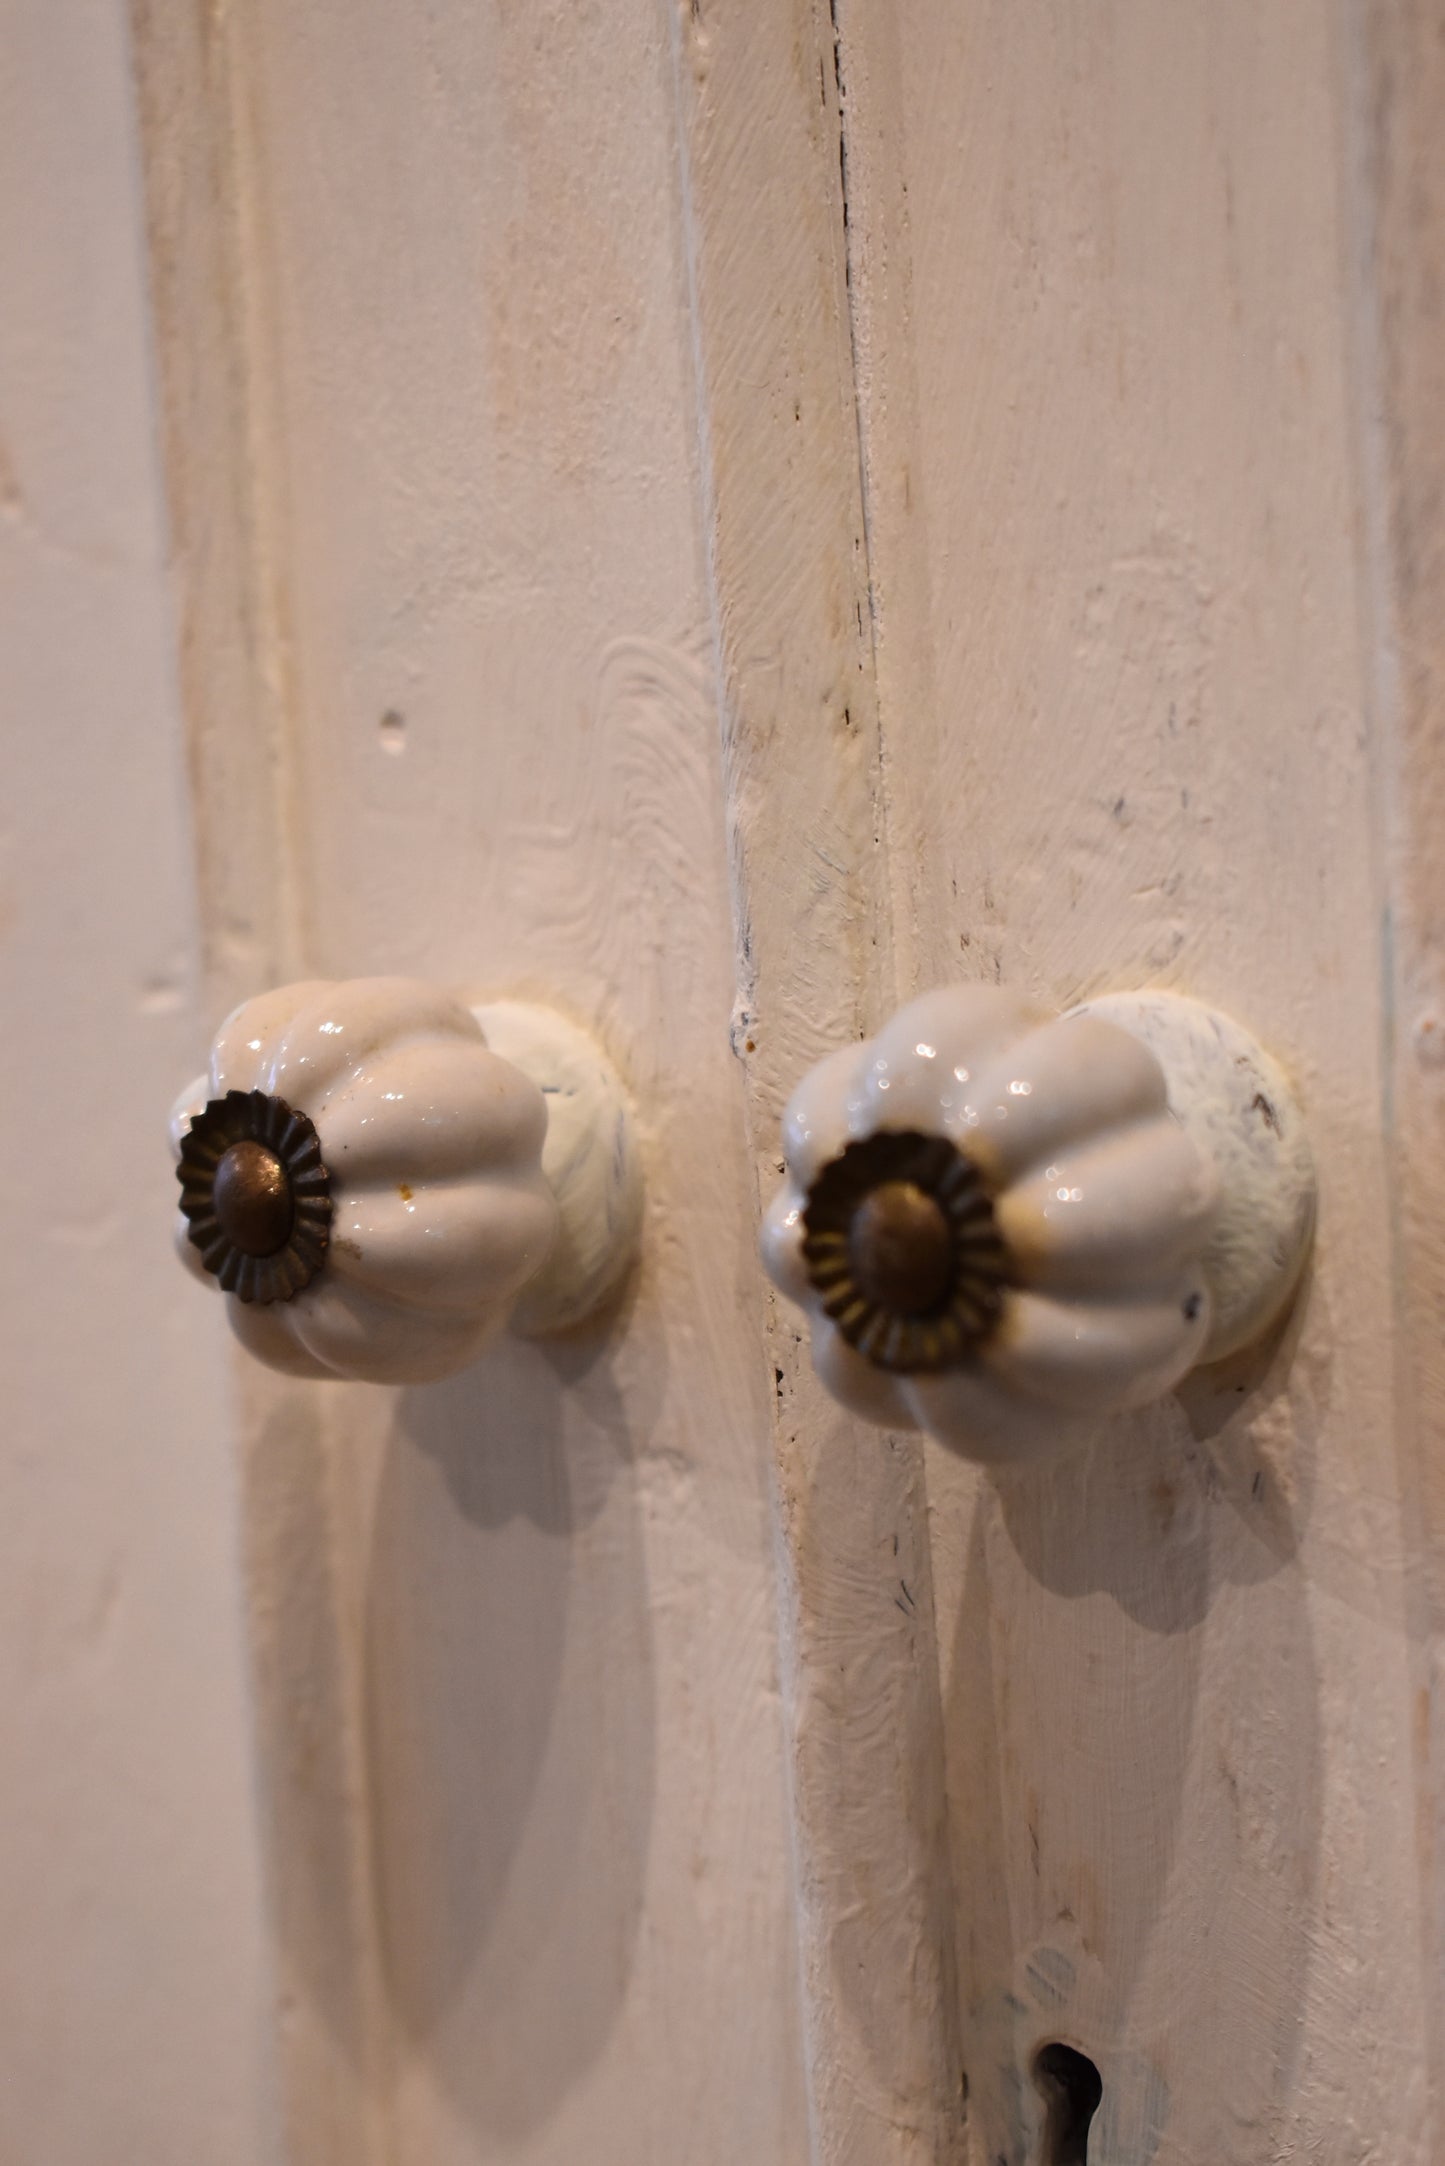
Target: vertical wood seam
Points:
(1394, 218)
(883, 2081)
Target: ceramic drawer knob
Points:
(1005, 1226)
(379, 1177)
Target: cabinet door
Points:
(1145, 345)
(718, 517)
(453, 713)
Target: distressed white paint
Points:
(1396, 79)
(538, 1898)
(1238, 1106)
(1066, 682)
(1114, 518)
(759, 91)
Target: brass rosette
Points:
(901, 1242)
(256, 1195)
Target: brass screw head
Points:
(900, 1245)
(899, 1238)
(256, 1195)
(252, 1200)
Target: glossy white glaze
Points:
(453, 1172)
(590, 1162)
(1154, 1213)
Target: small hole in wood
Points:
(1071, 2088)
(391, 730)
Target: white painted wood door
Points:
(715, 516)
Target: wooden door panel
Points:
(719, 517)
(1125, 678)
(539, 1617)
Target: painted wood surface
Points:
(717, 517)
(1395, 70)
(1114, 521)
(523, 1736)
(765, 176)
(137, 2005)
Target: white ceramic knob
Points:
(1005, 1227)
(380, 1176)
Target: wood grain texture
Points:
(1395, 59)
(1016, 425)
(535, 1607)
(1114, 522)
(765, 190)
(221, 477)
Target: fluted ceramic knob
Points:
(1006, 1226)
(379, 1177)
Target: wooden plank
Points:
(1113, 512)
(1396, 70)
(539, 1602)
(765, 192)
